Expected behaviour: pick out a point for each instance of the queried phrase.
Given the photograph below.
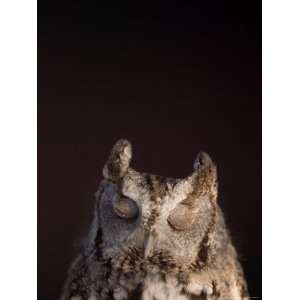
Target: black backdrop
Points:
(172, 78)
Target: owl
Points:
(156, 238)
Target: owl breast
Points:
(159, 287)
(156, 287)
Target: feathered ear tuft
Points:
(202, 160)
(203, 184)
(206, 174)
(118, 162)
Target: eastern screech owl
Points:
(156, 238)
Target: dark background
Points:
(173, 78)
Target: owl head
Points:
(164, 219)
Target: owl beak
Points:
(148, 245)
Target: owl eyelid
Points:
(125, 207)
(181, 218)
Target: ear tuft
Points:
(206, 175)
(202, 160)
(118, 162)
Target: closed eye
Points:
(181, 218)
(125, 207)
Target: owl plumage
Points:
(155, 238)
